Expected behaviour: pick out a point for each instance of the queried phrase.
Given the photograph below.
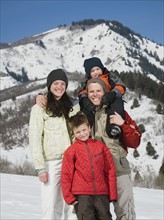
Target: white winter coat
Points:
(48, 136)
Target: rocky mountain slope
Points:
(68, 46)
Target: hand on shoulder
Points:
(41, 100)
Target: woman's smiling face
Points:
(58, 88)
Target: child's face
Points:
(96, 72)
(82, 132)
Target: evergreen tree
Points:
(142, 128)
(150, 149)
(135, 153)
(161, 170)
(136, 103)
(159, 108)
(147, 86)
(138, 179)
(81, 39)
(24, 75)
(159, 182)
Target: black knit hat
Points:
(54, 75)
(92, 62)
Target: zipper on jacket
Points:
(92, 168)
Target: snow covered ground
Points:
(20, 200)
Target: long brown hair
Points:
(57, 108)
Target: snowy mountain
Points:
(67, 46)
(26, 64)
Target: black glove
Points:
(109, 97)
(86, 104)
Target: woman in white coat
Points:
(48, 139)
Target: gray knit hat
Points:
(54, 75)
(99, 81)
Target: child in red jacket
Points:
(88, 176)
(113, 97)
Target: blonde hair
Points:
(99, 81)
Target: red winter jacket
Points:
(131, 135)
(88, 169)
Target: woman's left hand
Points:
(43, 177)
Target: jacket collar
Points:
(87, 141)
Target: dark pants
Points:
(116, 106)
(91, 207)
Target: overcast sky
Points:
(20, 19)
